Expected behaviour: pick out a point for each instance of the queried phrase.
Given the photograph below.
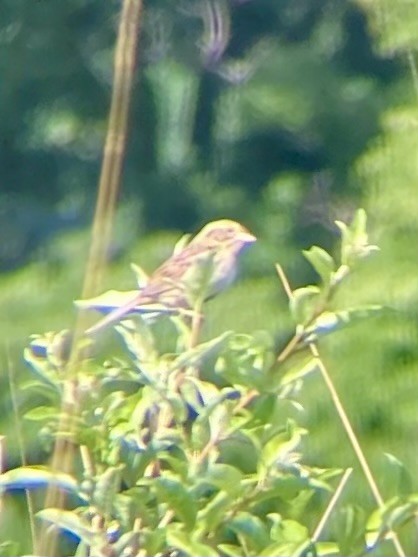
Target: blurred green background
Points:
(285, 115)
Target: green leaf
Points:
(286, 487)
(340, 275)
(304, 303)
(290, 530)
(152, 540)
(36, 387)
(106, 487)
(394, 513)
(329, 322)
(241, 450)
(300, 371)
(219, 421)
(250, 530)
(171, 491)
(224, 477)
(401, 513)
(186, 544)
(349, 524)
(281, 446)
(42, 413)
(354, 239)
(43, 369)
(141, 276)
(200, 434)
(140, 341)
(290, 537)
(400, 478)
(181, 243)
(230, 550)
(9, 549)
(214, 417)
(107, 301)
(246, 360)
(177, 406)
(287, 548)
(30, 477)
(199, 394)
(124, 544)
(71, 522)
(198, 354)
(329, 548)
(277, 548)
(213, 514)
(322, 262)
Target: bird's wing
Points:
(171, 274)
(165, 288)
(137, 303)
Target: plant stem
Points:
(114, 150)
(354, 442)
(341, 412)
(331, 505)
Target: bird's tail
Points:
(133, 306)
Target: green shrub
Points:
(196, 449)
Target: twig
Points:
(285, 282)
(197, 320)
(114, 150)
(354, 442)
(88, 463)
(289, 348)
(344, 419)
(331, 505)
(166, 519)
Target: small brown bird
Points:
(219, 243)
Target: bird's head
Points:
(225, 233)
(215, 250)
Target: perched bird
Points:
(218, 244)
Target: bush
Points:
(196, 449)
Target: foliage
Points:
(197, 450)
(301, 115)
(380, 388)
(236, 119)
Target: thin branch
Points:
(285, 282)
(341, 412)
(125, 62)
(197, 320)
(294, 341)
(114, 150)
(354, 442)
(87, 460)
(166, 519)
(331, 505)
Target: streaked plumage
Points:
(219, 241)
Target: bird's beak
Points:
(246, 237)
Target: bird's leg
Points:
(194, 322)
(197, 321)
(190, 325)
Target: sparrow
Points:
(217, 245)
